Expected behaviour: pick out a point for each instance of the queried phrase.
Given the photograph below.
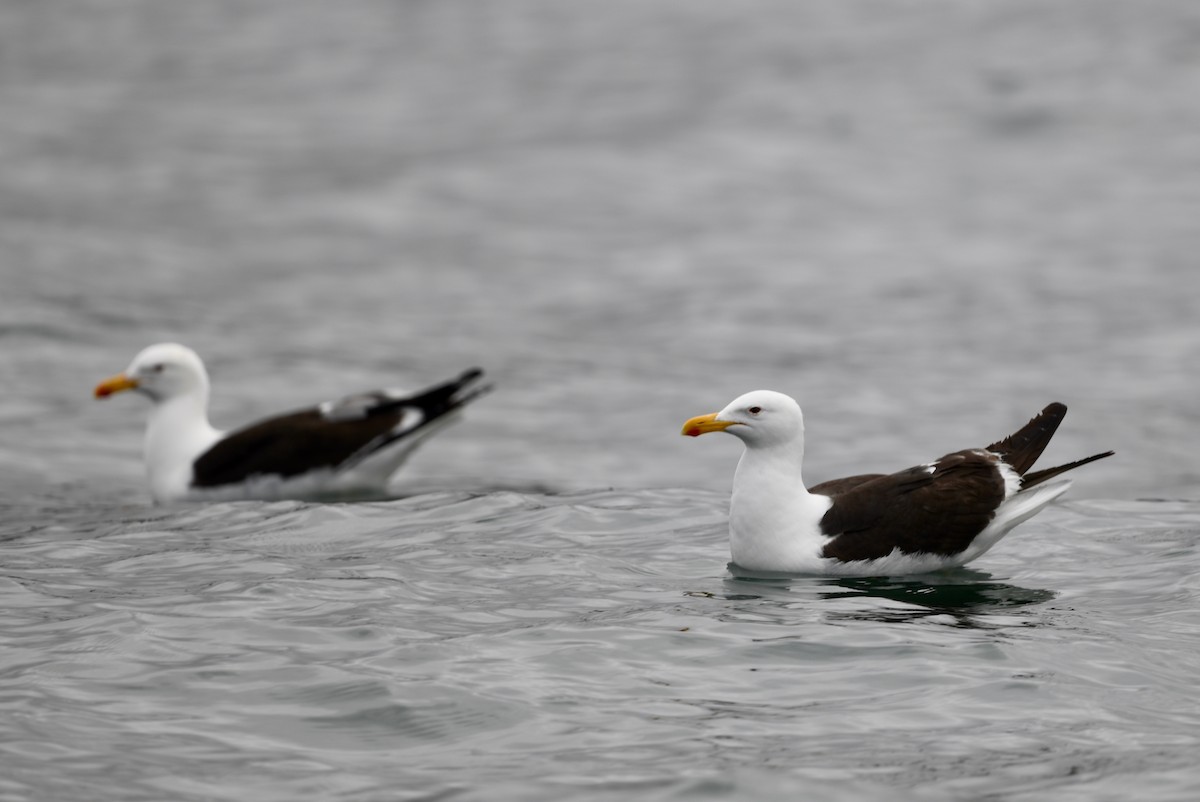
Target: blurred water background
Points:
(925, 220)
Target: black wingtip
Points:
(1037, 477)
(467, 390)
(1022, 448)
(452, 394)
(441, 398)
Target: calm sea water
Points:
(924, 220)
(588, 645)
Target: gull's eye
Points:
(156, 368)
(754, 410)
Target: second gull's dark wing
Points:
(289, 445)
(330, 436)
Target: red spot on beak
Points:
(114, 384)
(693, 432)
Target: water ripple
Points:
(351, 647)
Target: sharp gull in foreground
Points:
(939, 515)
(349, 446)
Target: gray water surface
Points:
(923, 220)
(589, 645)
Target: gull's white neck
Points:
(774, 522)
(178, 432)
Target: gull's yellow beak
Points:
(115, 384)
(703, 424)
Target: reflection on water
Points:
(961, 593)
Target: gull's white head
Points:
(761, 418)
(162, 372)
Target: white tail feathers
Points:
(1028, 503)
